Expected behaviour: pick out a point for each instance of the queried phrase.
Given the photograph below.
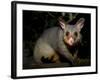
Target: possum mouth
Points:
(70, 43)
(72, 48)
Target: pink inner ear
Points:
(62, 24)
(79, 26)
(80, 23)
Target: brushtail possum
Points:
(58, 41)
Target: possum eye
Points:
(67, 33)
(76, 34)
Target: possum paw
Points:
(47, 60)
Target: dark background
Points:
(35, 22)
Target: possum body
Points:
(55, 42)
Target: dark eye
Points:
(67, 33)
(76, 34)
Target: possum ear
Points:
(80, 24)
(62, 23)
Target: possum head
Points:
(72, 32)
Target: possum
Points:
(57, 42)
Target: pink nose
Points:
(71, 41)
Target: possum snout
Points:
(69, 41)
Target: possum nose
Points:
(71, 41)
